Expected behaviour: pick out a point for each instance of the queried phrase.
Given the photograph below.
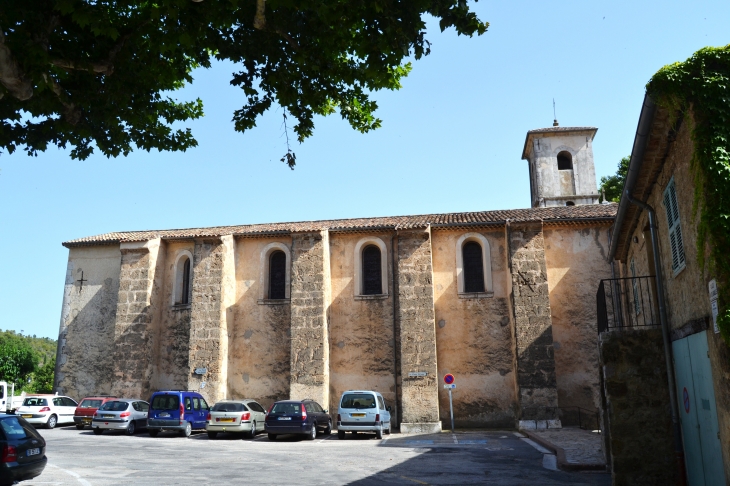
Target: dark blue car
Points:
(305, 417)
(22, 450)
(181, 411)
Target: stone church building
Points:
(503, 300)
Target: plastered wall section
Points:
(172, 335)
(88, 314)
(548, 177)
(474, 339)
(417, 334)
(362, 342)
(576, 262)
(310, 299)
(259, 344)
(687, 294)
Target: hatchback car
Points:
(22, 450)
(86, 409)
(181, 411)
(121, 414)
(238, 416)
(363, 411)
(47, 410)
(304, 417)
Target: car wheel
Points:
(341, 434)
(389, 427)
(212, 435)
(153, 432)
(328, 430)
(130, 429)
(272, 436)
(379, 432)
(252, 434)
(80, 426)
(313, 433)
(52, 421)
(98, 431)
(188, 430)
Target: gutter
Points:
(648, 110)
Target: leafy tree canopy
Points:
(85, 73)
(17, 358)
(42, 381)
(612, 186)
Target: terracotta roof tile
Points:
(555, 215)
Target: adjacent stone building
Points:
(504, 300)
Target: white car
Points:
(363, 411)
(47, 410)
(237, 416)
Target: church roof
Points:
(528, 146)
(590, 214)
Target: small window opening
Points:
(565, 161)
(570, 203)
(372, 283)
(473, 267)
(277, 275)
(185, 297)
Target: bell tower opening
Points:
(565, 160)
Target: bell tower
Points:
(561, 166)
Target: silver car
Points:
(363, 411)
(237, 416)
(125, 414)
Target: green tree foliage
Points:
(612, 186)
(97, 73)
(17, 359)
(42, 380)
(700, 87)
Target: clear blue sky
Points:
(451, 141)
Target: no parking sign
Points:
(448, 378)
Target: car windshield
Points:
(229, 407)
(35, 402)
(358, 400)
(12, 428)
(287, 408)
(165, 402)
(86, 403)
(114, 406)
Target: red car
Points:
(86, 409)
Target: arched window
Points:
(570, 203)
(372, 276)
(277, 275)
(473, 267)
(565, 160)
(182, 291)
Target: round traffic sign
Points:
(448, 378)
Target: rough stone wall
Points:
(416, 326)
(259, 346)
(136, 308)
(637, 412)
(310, 298)
(361, 329)
(536, 381)
(172, 338)
(86, 333)
(474, 338)
(576, 262)
(212, 275)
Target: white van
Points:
(363, 411)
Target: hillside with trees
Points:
(27, 361)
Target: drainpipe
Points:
(678, 450)
(395, 337)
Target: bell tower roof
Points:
(555, 130)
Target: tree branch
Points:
(71, 113)
(104, 67)
(11, 76)
(259, 23)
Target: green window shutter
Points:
(675, 229)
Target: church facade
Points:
(504, 300)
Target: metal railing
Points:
(625, 303)
(568, 416)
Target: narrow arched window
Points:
(570, 203)
(565, 161)
(473, 267)
(185, 297)
(277, 275)
(372, 277)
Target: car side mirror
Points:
(326, 411)
(388, 408)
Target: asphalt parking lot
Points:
(81, 458)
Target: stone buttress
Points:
(416, 322)
(536, 381)
(310, 299)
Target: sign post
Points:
(449, 380)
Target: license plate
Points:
(34, 452)
(284, 418)
(87, 420)
(164, 414)
(27, 416)
(225, 420)
(107, 416)
(358, 414)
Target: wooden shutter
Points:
(676, 243)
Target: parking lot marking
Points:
(71, 473)
(453, 436)
(518, 434)
(414, 480)
(536, 446)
